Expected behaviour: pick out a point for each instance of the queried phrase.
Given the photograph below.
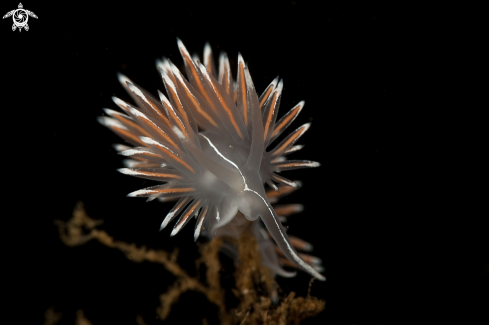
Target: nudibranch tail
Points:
(277, 230)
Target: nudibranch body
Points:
(207, 140)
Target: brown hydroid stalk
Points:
(254, 282)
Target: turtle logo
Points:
(20, 17)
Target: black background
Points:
(398, 245)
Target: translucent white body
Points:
(206, 139)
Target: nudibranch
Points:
(207, 139)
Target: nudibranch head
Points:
(207, 139)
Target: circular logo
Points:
(20, 17)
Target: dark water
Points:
(386, 211)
